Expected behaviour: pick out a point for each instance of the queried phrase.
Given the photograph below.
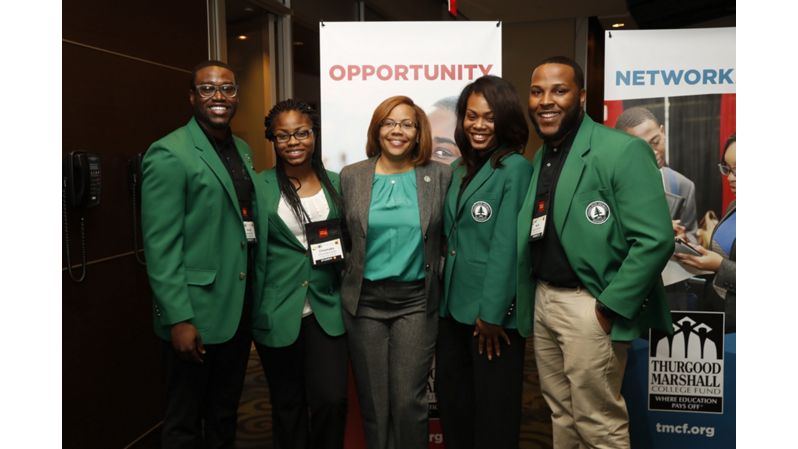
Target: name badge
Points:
(249, 231)
(539, 220)
(324, 241)
(538, 227)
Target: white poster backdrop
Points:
(669, 63)
(363, 63)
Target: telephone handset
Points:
(80, 189)
(82, 179)
(134, 184)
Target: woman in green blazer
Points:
(480, 354)
(298, 328)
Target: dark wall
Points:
(125, 81)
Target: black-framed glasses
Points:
(300, 135)
(406, 125)
(725, 170)
(209, 90)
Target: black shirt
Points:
(226, 149)
(549, 261)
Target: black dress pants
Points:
(308, 388)
(479, 400)
(202, 398)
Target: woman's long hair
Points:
(286, 187)
(510, 126)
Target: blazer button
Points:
(242, 275)
(426, 267)
(453, 253)
(305, 283)
(425, 237)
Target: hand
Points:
(604, 322)
(679, 230)
(489, 335)
(187, 342)
(708, 260)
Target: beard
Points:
(567, 124)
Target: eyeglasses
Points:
(300, 135)
(406, 125)
(725, 170)
(209, 90)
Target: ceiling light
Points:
(242, 37)
(618, 25)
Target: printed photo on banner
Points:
(675, 89)
(363, 63)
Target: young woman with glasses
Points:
(298, 329)
(722, 257)
(393, 204)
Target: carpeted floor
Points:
(254, 413)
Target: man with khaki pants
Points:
(593, 237)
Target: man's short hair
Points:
(579, 74)
(208, 63)
(633, 117)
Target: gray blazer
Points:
(680, 193)
(432, 181)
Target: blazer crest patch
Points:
(481, 211)
(597, 212)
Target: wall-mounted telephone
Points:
(134, 184)
(80, 189)
(82, 179)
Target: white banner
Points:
(669, 63)
(363, 63)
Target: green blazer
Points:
(620, 260)
(479, 275)
(291, 278)
(194, 237)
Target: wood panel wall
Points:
(125, 84)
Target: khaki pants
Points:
(581, 371)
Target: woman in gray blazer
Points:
(393, 205)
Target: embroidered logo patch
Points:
(481, 211)
(597, 212)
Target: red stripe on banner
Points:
(612, 110)
(453, 7)
(728, 126)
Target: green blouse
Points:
(394, 248)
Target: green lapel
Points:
(571, 173)
(454, 186)
(480, 178)
(273, 202)
(209, 156)
(336, 185)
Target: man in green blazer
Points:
(593, 237)
(202, 241)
